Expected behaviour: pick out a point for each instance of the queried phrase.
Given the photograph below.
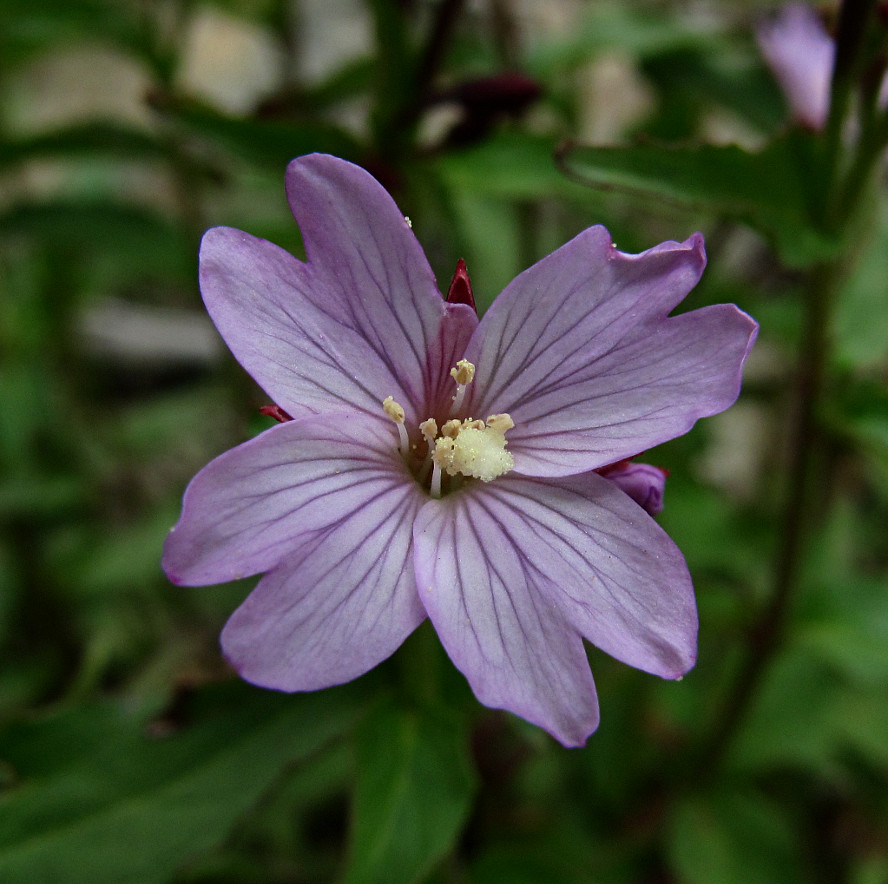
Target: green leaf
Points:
(268, 143)
(606, 26)
(511, 166)
(791, 721)
(29, 28)
(857, 649)
(738, 838)
(98, 138)
(96, 798)
(858, 415)
(725, 74)
(770, 190)
(414, 791)
(99, 227)
(861, 323)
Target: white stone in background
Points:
(229, 62)
(329, 34)
(740, 447)
(138, 335)
(62, 87)
(613, 97)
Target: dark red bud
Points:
(276, 412)
(509, 92)
(460, 291)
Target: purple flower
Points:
(383, 502)
(644, 483)
(801, 53)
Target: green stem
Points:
(843, 190)
(769, 629)
(870, 150)
(854, 18)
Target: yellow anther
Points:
(396, 413)
(500, 422)
(393, 410)
(464, 372)
(451, 428)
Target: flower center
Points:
(464, 447)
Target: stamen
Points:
(429, 430)
(451, 428)
(500, 422)
(463, 374)
(396, 413)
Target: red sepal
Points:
(460, 291)
(276, 412)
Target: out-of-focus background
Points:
(128, 750)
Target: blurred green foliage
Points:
(128, 751)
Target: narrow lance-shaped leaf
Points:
(771, 190)
(95, 798)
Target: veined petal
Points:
(353, 324)
(509, 640)
(644, 483)
(603, 563)
(244, 512)
(580, 352)
(459, 322)
(340, 603)
(374, 274)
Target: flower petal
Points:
(340, 603)
(509, 572)
(801, 53)
(644, 483)
(579, 351)
(243, 512)
(500, 630)
(611, 570)
(353, 324)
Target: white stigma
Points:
(476, 449)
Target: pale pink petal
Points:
(580, 352)
(500, 630)
(596, 556)
(375, 274)
(243, 512)
(801, 54)
(340, 603)
(644, 483)
(510, 572)
(354, 324)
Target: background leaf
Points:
(413, 793)
(96, 797)
(770, 189)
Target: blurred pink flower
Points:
(801, 53)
